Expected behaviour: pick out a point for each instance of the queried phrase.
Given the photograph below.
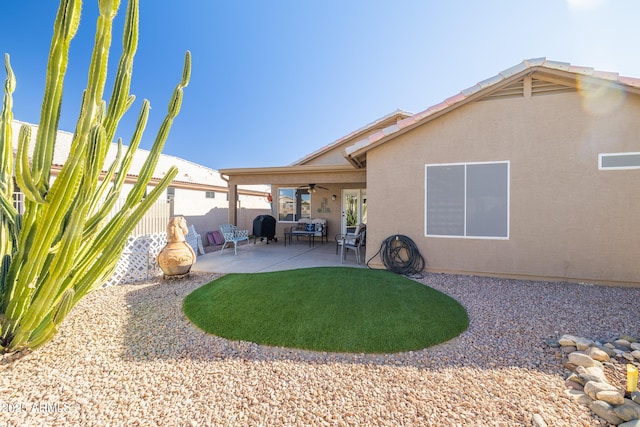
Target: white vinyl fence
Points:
(153, 222)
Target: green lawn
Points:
(336, 309)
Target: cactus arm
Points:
(5, 262)
(141, 124)
(9, 214)
(97, 76)
(8, 233)
(43, 334)
(106, 180)
(120, 100)
(6, 132)
(65, 27)
(23, 171)
(114, 193)
(174, 108)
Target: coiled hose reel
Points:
(400, 255)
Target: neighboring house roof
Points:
(189, 173)
(356, 153)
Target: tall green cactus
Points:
(63, 247)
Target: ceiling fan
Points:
(312, 187)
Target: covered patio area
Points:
(260, 257)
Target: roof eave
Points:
(285, 169)
(356, 153)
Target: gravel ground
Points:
(127, 355)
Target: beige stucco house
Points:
(533, 173)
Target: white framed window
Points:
(293, 204)
(210, 194)
(618, 161)
(18, 198)
(467, 200)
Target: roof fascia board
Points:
(286, 170)
(294, 175)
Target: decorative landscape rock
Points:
(593, 389)
(583, 344)
(605, 411)
(613, 397)
(581, 359)
(628, 410)
(591, 374)
(597, 354)
(567, 340)
(588, 383)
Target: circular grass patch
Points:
(334, 309)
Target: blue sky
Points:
(274, 80)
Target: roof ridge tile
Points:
(563, 66)
(490, 81)
(471, 90)
(536, 62)
(514, 70)
(588, 71)
(607, 75)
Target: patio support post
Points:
(233, 204)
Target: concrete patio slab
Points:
(262, 257)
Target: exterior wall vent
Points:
(514, 90)
(536, 87)
(543, 87)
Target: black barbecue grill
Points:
(264, 227)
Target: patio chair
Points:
(339, 238)
(231, 234)
(194, 240)
(355, 243)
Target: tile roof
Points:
(338, 142)
(524, 66)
